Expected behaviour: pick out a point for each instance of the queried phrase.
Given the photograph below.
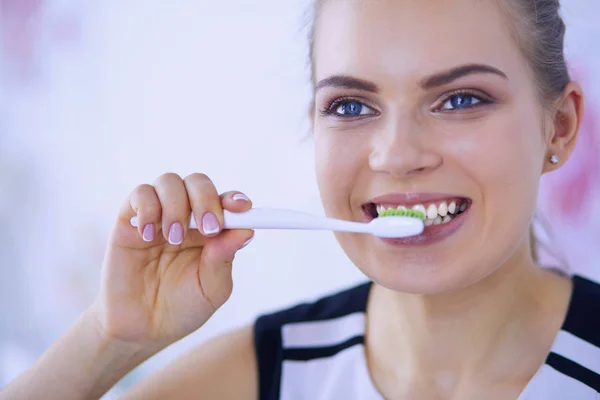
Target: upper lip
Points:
(411, 199)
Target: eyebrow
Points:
(439, 79)
(446, 77)
(347, 82)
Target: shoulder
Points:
(307, 331)
(339, 304)
(583, 317)
(268, 328)
(207, 371)
(575, 354)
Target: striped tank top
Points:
(315, 351)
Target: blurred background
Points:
(97, 97)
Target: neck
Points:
(448, 338)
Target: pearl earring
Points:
(554, 159)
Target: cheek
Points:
(503, 156)
(337, 165)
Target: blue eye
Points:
(351, 109)
(461, 102)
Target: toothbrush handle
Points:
(261, 218)
(258, 218)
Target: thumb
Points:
(216, 264)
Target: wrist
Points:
(114, 349)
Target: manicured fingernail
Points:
(176, 234)
(148, 233)
(247, 242)
(210, 224)
(240, 197)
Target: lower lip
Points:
(432, 234)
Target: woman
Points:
(457, 107)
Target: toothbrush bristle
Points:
(403, 213)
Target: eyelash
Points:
(483, 99)
(330, 110)
(333, 105)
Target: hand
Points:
(161, 281)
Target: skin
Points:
(473, 316)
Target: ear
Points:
(565, 123)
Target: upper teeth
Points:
(443, 211)
(419, 207)
(452, 208)
(432, 211)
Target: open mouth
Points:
(438, 212)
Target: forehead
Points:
(408, 37)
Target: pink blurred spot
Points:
(20, 7)
(66, 31)
(18, 22)
(572, 186)
(22, 28)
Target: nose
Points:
(404, 149)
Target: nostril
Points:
(418, 170)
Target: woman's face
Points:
(428, 104)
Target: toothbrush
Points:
(392, 224)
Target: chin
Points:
(418, 271)
(419, 278)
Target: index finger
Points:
(235, 201)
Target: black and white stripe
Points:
(294, 344)
(575, 354)
(316, 351)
